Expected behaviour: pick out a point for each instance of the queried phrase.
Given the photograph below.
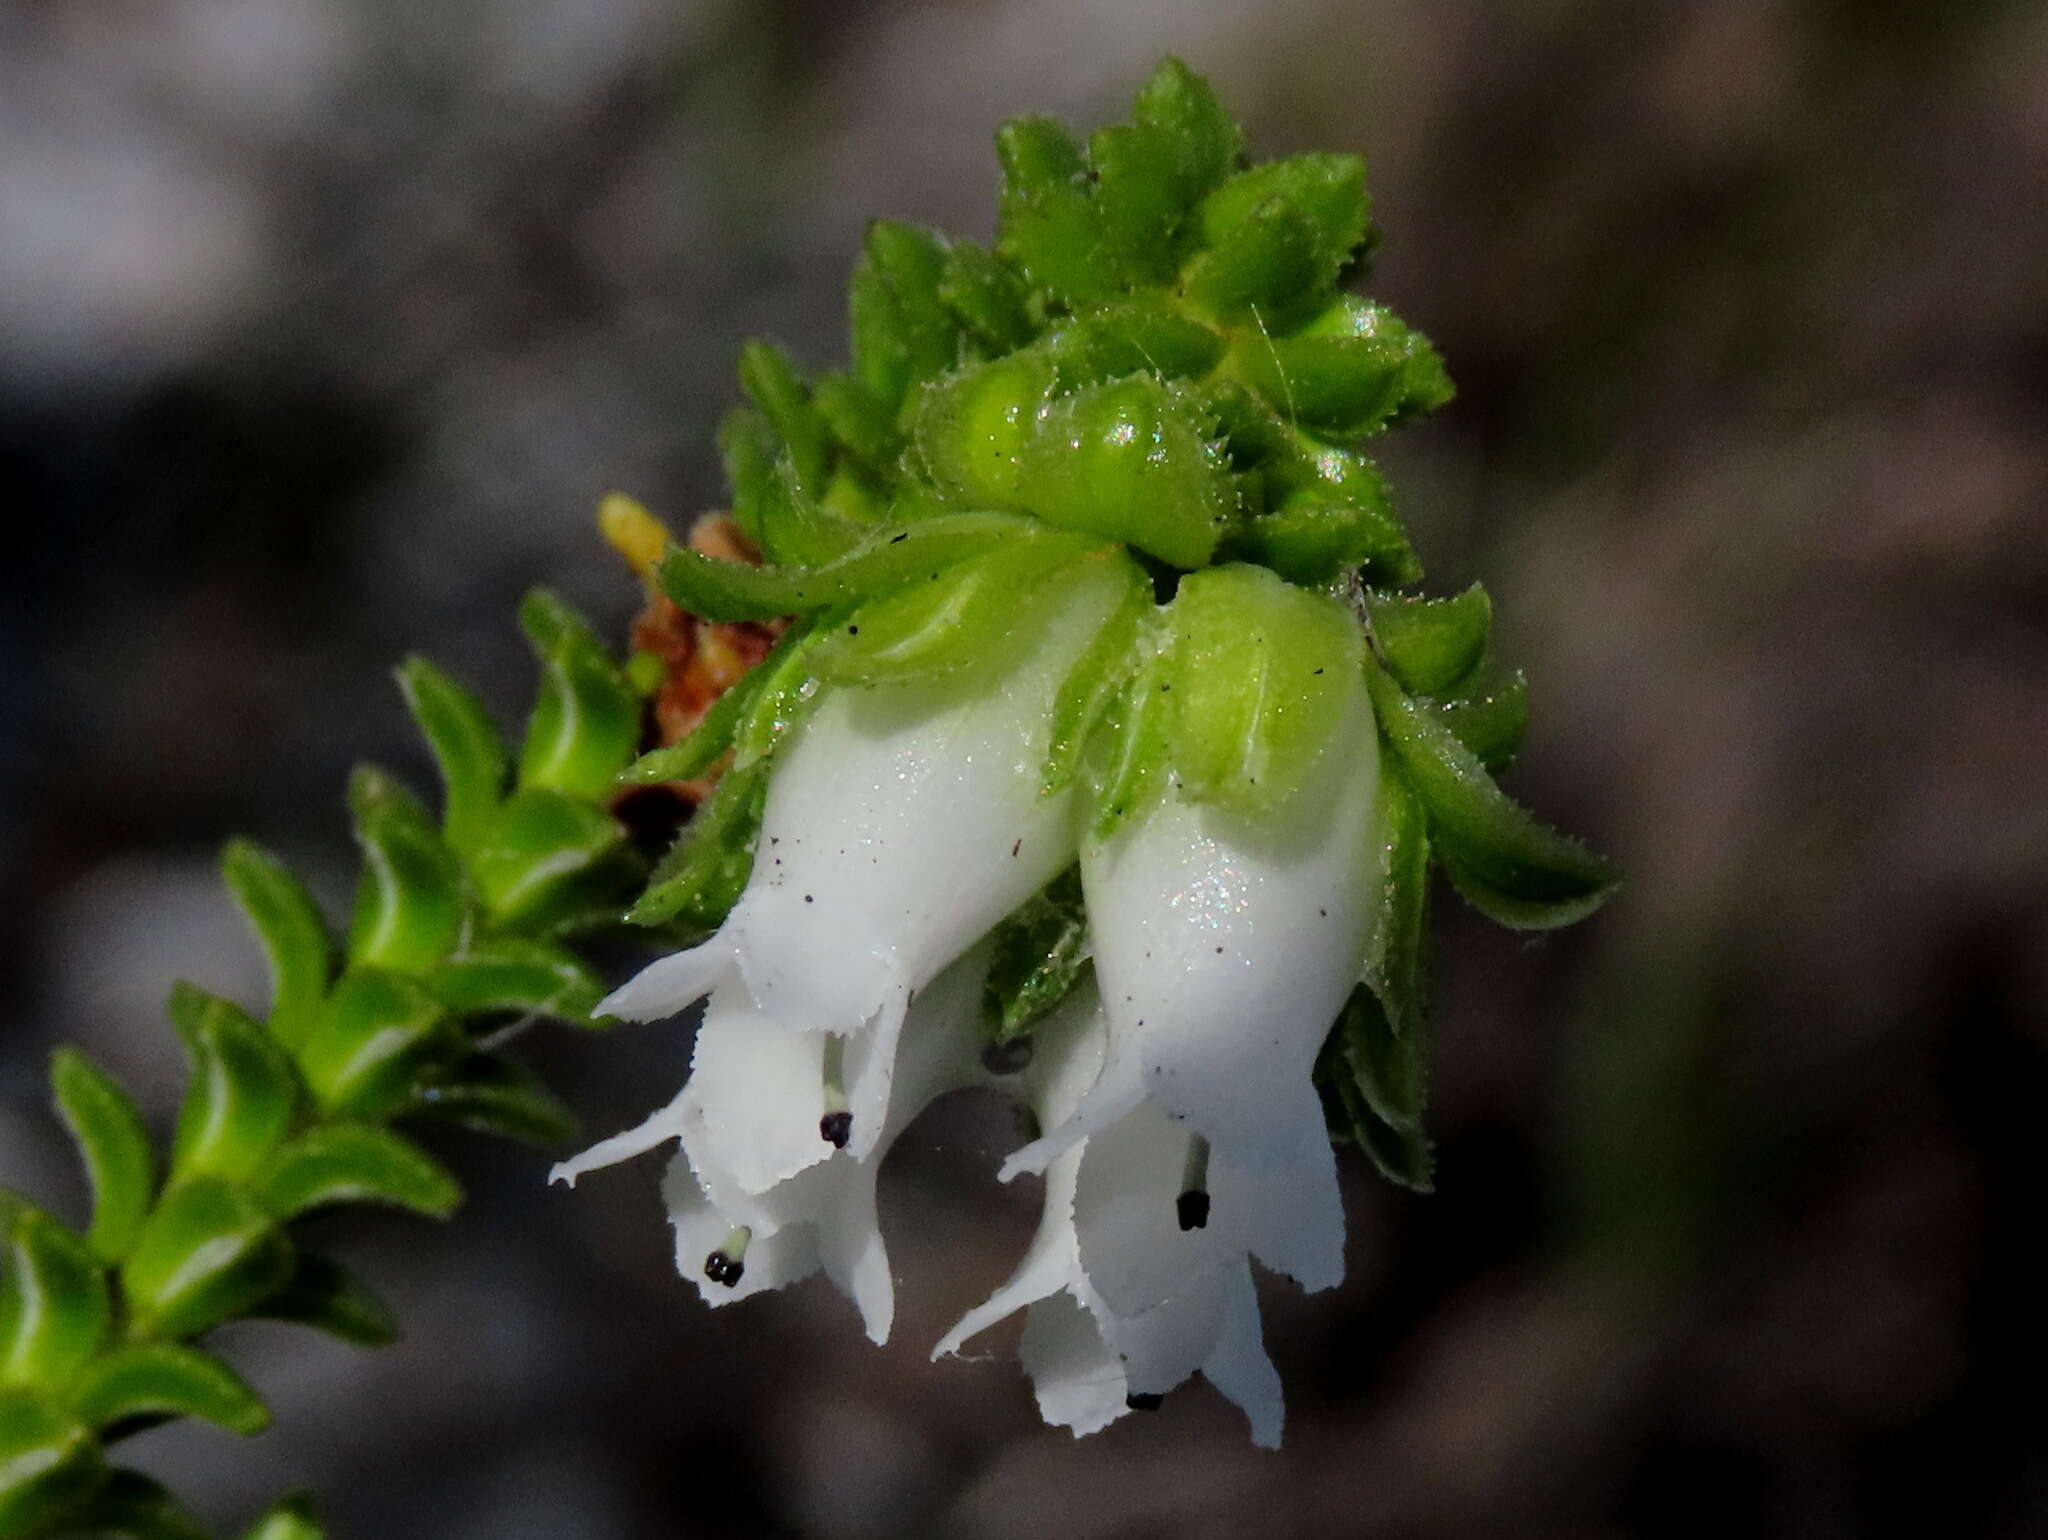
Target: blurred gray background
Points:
(323, 324)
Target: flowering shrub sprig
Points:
(456, 936)
(1099, 652)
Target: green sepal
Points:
(377, 1034)
(1514, 870)
(1091, 685)
(860, 420)
(987, 298)
(1324, 191)
(50, 1465)
(114, 1145)
(408, 908)
(1431, 646)
(1402, 1155)
(491, 1094)
(971, 431)
(241, 1094)
(1125, 763)
(1046, 218)
(699, 881)
(1133, 460)
(586, 718)
(507, 974)
(1036, 955)
(1258, 674)
(1143, 334)
(322, 1294)
(132, 1506)
(291, 931)
(1139, 208)
(208, 1253)
(467, 747)
(290, 1518)
(1207, 141)
(1422, 384)
(1390, 1063)
(1397, 960)
(54, 1309)
(166, 1379)
(552, 864)
(696, 752)
(1312, 542)
(748, 449)
(1489, 718)
(1261, 272)
(772, 384)
(356, 1163)
(901, 331)
(725, 591)
(786, 683)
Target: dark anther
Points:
(835, 1128)
(1007, 1056)
(720, 1268)
(1145, 1403)
(1193, 1210)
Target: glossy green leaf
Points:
(114, 1146)
(501, 974)
(408, 908)
(291, 1518)
(50, 1465)
(1206, 140)
(1259, 670)
(355, 1163)
(322, 1294)
(586, 718)
(987, 297)
(1036, 956)
(1507, 865)
(490, 1094)
(552, 864)
(700, 880)
(376, 1035)
(1324, 192)
(1091, 686)
(467, 748)
(971, 431)
(1262, 272)
(167, 1379)
(1489, 718)
(772, 384)
(208, 1253)
(288, 925)
(902, 333)
(1047, 219)
(241, 1093)
(1431, 645)
(132, 1506)
(53, 1301)
(1312, 542)
(1145, 333)
(1423, 383)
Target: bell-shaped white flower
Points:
(902, 823)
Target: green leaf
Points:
(1091, 686)
(1036, 955)
(551, 864)
(1489, 719)
(408, 908)
(1431, 645)
(1125, 763)
(700, 880)
(987, 298)
(1324, 193)
(1423, 384)
(291, 1518)
(114, 1146)
(1390, 1064)
(293, 935)
(860, 420)
(748, 448)
(501, 974)
(586, 719)
(1145, 333)
(1139, 204)
(1133, 461)
(1311, 541)
(494, 1095)
(207, 1254)
(241, 1094)
(467, 748)
(902, 332)
(1397, 963)
(354, 1163)
(972, 430)
(377, 1034)
(53, 1302)
(694, 754)
(167, 1379)
(1206, 140)
(322, 1294)
(50, 1465)
(772, 384)
(131, 1506)
(1258, 674)
(1403, 1156)
(1262, 272)
(1047, 220)
(1511, 868)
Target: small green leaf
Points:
(1262, 272)
(902, 332)
(1324, 192)
(1423, 383)
(1431, 645)
(972, 430)
(293, 935)
(859, 419)
(376, 1035)
(772, 384)
(1311, 541)
(324, 1295)
(114, 1146)
(1489, 719)
(207, 1254)
(501, 974)
(694, 754)
(1086, 694)
(1506, 864)
(987, 297)
(1258, 675)
(167, 1379)
(291, 1518)
(1047, 220)
(748, 448)
(466, 745)
(354, 1163)
(1206, 139)
(131, 1506)
(551, 864)
(491, 1094)
(700, 880)
(53, 1302)
(50, 1465)
(1035, 957)
(586, 719)
(1397, 964)
(1145, 333)
(408, 908)
(1139, 207)
(241, 1093)
(1390, 1064)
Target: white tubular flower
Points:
(902, 823)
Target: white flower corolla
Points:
(732, 1242)
(1224, 949)
(902, 823)
(1107, 1236)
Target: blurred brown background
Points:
(322, 326)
